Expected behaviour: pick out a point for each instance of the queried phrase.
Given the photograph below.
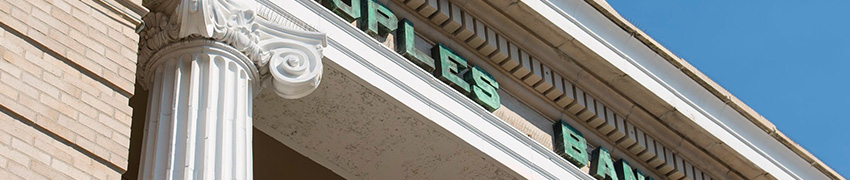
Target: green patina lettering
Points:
(347, 9)
(406, 47)
(624, 170)
(377, 19)
(602, 167)
(449, 65)
(640, 176)
(483, 88)
(570, 144)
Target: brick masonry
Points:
(67, 71)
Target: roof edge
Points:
(603, 7)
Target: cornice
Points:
(717, 90)
(758, 147)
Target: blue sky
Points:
(788, 60)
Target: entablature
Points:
(524, 66)
(560, 77)
(523, 61)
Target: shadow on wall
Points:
(138, 102)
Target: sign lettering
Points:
(624, 171)
(571, 145)
(349, 12)
(406, 46)
(377, 20)
(603, 167)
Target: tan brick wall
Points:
(27, 153)
(67, 71)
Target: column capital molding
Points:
(284, 55)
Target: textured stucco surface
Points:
(369, 136)
(273, 160)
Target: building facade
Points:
(365, 89)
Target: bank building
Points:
(365, 89)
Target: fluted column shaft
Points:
(199, 114)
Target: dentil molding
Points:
(281, 54)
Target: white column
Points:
(202, 61)
(199, 113)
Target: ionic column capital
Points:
(285, 55)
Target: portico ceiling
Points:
(360, 134)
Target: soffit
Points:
(359, 134)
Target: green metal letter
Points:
(349, 12)
(624, 171)
(406, 47)
(602, 167)
(449, 65)
(640, 176)
(377, 19)
(483, 88)
(569, 144)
